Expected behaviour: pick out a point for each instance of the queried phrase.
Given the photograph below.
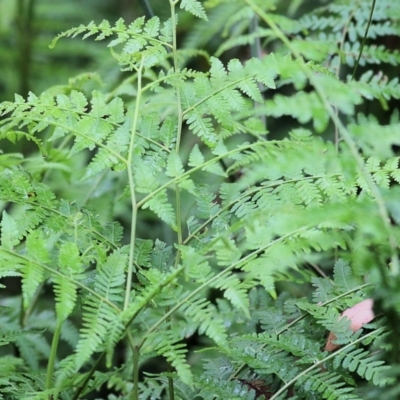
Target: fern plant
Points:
(235, 213)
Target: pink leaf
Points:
(359, 315)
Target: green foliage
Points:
(164, 209)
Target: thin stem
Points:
(178, 211)
(147, 8)
(32, 304)
(78, 133)
(245, 194)
(256, 52)
(131, 267)
(176, 68)
(88, 376)
(53, 211)
(135, 372)
(179, 128)
(53, 355)
(339, 63)
(364, 39)
(171, 391)
(25, 19)
(318, 270)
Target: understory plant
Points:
(196, 231)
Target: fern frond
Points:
(32, 273)
(99, 317)
(204, 315)
(34, 349)
(9, 231)
(236, 292)
(323, 290)
(328, 385)
(175, 353)
(160, 205)
(139, 29)
(363, 363)
(344, 278)
(65, 290)
(194, 7)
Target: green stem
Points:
(247, 193)
(147, 8)
(179, 128)
(32, 304)
(135, 372)
(53, 355)
(25, 19)
(178, 211)
(256, 52)
(176, 68)
(131, 180)
(171, 390)
(76, 133)
(95, 186)
(88, 376)
(364, 39)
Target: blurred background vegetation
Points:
(28, 26)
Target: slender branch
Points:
(179, 128)
(25, 19)
(88, 376)
(250, 192)
(135, 371)
(256, 52)
(364, 39)
(339, 63)
(132, 188)
(147, 8)
(53, 355)
(77, 133)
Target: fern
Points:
(158, 212)
(367, 367)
